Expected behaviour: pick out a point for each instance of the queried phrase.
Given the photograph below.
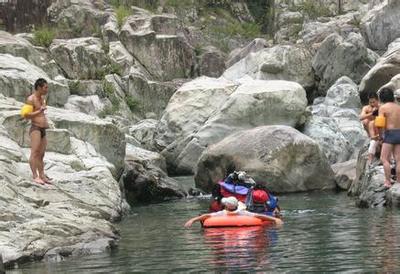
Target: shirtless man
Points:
(367, 117)
(37, 131)
(391, 136)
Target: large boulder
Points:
(384, 70)
(72, 217)
(281, 62)
(143, 133)
(380, 25)
(154, 41)
(104, 136)
(368, 187)
(289, 24)
(279, 156)
(345, 173)
(206, 110)
(77, 18)
(314, 32)
(91, 104)
(340, 56)
(80, 58)
(240, 53)
(145, 178)
(20, 47)
(17, 77)
(211, 62)
(335, 124)
(150, 96)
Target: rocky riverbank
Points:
(139, 93)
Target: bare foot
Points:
(47, 180)
(39, 181)
(387, 185)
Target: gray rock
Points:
(288, 162)
(314, 32)
(145, 181)
(150, 96)
(85, 87)
(77, 18)
(335, 124)
(206, 110)
(80, 58)
(380, 25)
(291, 63)
(72, 217)
(340, 57)
(144, 132)
(2, 271)
(289, 25)
(211, 62)
(384, 70)
(105, 137)
(91, 105)
(345, 173)
(240, 53)
(368, 188)
(17, 77)
(153, 40)
(20, 47)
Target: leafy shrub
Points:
(44, 36)
(314, 9)
(109, 93)
(74, 87)
(121, 13)
(132, 103)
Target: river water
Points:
(323, 231)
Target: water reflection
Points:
(240, 247)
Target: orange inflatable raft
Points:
(233, 221)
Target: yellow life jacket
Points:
(25, 110)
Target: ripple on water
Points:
(322, 232)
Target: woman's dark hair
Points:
(373, 95)
(386, 95)
(40, 83)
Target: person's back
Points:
(391, 111)
(390, 114)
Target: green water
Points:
(322, 232)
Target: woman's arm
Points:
(277, 221)
(195, 219)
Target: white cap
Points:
(230, 202)
(242, 175)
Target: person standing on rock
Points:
(391, 135)
(37, 131)
(367, 117)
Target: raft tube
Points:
(233, 221)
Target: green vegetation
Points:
(74, 87)
(224, 27)
(132, 103)
(314, 9)
(121, 13)
(109, 93)
(109, 68)
(43, 36)
(179, 3)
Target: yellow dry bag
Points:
(380, 121)
(26, 109)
